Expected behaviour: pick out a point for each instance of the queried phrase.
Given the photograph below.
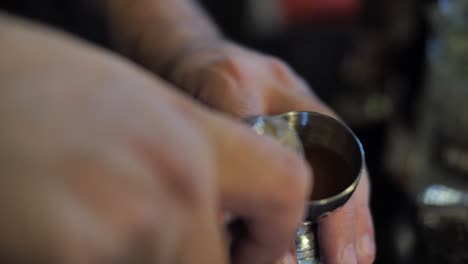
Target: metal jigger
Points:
(300, 131)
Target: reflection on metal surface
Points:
(318, 129)
(305, 244)
(303, 131)
(440, 195)
(277, 128)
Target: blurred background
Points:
(395, 70)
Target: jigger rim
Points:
(352, 187)
(342, 197)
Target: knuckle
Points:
(193, 189)
(220, 82)
(280, 68)
(231, 66)
(176, 189)
(189, 179)
(277, 64)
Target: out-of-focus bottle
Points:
(447, 78)
(436, 156)
(442, 127)
(444, 135)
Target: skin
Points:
(243, 83)
(102, 162)
(177, 41)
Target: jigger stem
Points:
(306, 244)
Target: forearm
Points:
(157, 33)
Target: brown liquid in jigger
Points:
(332, 174)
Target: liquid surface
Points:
(332, 174)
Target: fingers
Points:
(203, 243)
(192, 183)
(242, 87)
(273, 201)
(289, 257)
(259, 181)
(365, 243)
(337, 236)
(264, 184)
(227, 96)
(346, 236)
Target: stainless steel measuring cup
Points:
(304, 131)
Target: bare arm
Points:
(157, 33)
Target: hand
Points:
(101, 163)
(90, 161)
(242, 82)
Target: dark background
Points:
(369, 65)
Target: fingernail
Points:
(348, 255)
(365, 246)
